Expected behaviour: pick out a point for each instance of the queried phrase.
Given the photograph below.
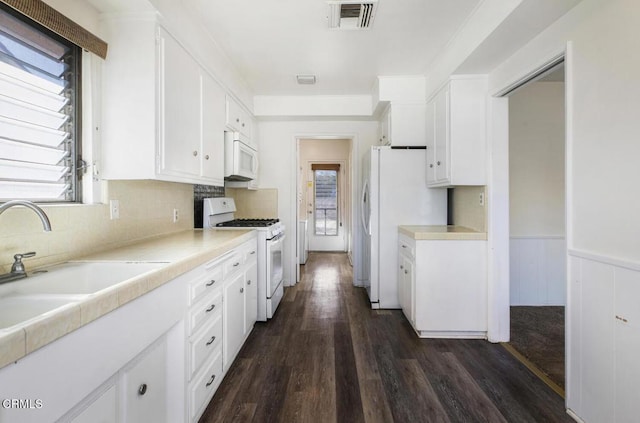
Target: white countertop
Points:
(182, 251)
(441, 232)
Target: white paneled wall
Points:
(604, 338)
(538, 271)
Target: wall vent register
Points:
(351, 14)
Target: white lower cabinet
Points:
(159, 358)
(103, 409)
(443, 286)
(144, 387)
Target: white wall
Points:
(603, 99)
(536, 160)
(537, 256)
(278, 168)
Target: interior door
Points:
(325, 196)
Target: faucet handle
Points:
(17, 266)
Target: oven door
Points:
(274, 265)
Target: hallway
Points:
(327, 357)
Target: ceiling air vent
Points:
(351, 14)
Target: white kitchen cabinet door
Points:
(233, 318)
(430, 135)
(101, 410)
(458, 124)
(213, 123)
(238, 119)
(405, 288)
(442, 129)
(180, 148)
(384, 127)
(144, 387)
(251, 297)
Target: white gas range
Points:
(218, 213)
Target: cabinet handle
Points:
(438, 163)
(211, 283)
(431, 165)
(206, 157)
(142, 389)
(401, 267)
(404, 246)
(213, 338)
(213, 377)
(195, 153)
(238, 120)
(253, 252)
(249, 282)
(236, 264)
(383, 137)
(241, 290)
(406, 271)
(211, 308)
(621, 319)
(243, 125)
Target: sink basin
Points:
(18, 309)
(77, 278)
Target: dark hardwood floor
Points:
(327, 357)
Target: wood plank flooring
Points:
(327, 357)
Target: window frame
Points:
(75, 162)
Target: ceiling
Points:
(271, 41)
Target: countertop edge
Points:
(439, 233)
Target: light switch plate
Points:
(114, 207)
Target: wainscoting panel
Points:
(603, 335)
(538, 271)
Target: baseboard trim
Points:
(534, 369)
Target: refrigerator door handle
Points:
(363, 204)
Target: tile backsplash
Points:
(201, 192)
(260, 203)
(146, 210)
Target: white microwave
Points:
(240, 159)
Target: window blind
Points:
(37, 113)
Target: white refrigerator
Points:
(394, 193)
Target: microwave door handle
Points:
(255, 165)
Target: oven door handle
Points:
(276, 239)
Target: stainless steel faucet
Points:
(17, 270)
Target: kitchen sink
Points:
(78, 277)
(16, 309)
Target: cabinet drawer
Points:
(250, 253)
(208, 308)
(406, 249)
(210, 282)
(233, 264)
(203, 344)
(204, 386)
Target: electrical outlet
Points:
(482, 198)
(114, 207)
(175, 215)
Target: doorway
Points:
(537, 232)
(325, 192)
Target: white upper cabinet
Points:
(163, 114)
(403, 125)
(456, 133)
(239, 120)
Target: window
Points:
(326, 199)
(39, 112)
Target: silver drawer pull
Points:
(211, 283)
(253, 252)
(241, 290)
(213, 338)
(249, 282)
(404, 246)
(406, 271)
(236, 264)
(401, 267)
(213, 377)
(211, 308)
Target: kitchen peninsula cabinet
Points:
(163, 113)
(456, 133)
(443, 282)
